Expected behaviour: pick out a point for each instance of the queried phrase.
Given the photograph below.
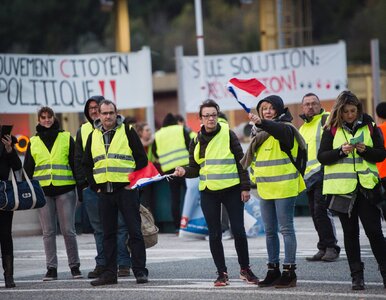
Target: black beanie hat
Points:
(276, 102)
(381, 110)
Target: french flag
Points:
(245, 88)
(144, 176)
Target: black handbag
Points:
(21, 195)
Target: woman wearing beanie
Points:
(278, 184)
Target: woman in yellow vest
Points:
(278, 184)
(50, 159)
(214, 156)
(351, 145)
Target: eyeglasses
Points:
(93, 107)
(105, 113)
(214, 116)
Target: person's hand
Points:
(179, 172)
(245, 196)
(7, 141)
(254, 118)
(361, 147)
(347, 148)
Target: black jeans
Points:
(321, 217)
(127, 202)
(177, 185)
(6, 242)
(211, 207)
(370, 217)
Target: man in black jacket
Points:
(114, 150)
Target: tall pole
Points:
(375, 72)
(200, 48)
(122, 32)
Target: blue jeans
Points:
(278, 215)
(211, 207)
(91, 204)
(60, 208)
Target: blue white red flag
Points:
(245, 88)
(145, 176)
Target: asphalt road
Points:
(182, 268)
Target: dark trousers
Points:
(370, 217)
(6, 232)
(177, 185)
(127, 202)
(321, 217)
(211, 208)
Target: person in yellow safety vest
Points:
(50, 159)
(91, 200)
(147, 194)
(214, 156)
(113, 151)
(351, 145)
(170, 148)
(381, 114)
(314, 118)
(278, 184)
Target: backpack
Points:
(302, 157)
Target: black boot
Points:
(8, 271)
(273, 275)
(383, 273)
(288, 277)
(358, 282)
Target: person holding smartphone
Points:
(8, 159)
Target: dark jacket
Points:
(48, 136)
(80, 174)
(135, 145)
(284, 133)
(204, 138)
(327, 155)
(8, 161)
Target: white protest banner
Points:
(289, 73)
(65, 82)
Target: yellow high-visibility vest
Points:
(52, 167)
(342, 177)
(275, 175)
(218, 169)
(171, 148)
(312, 134)
(117, 163)
(85, 131)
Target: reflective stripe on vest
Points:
(85, 131)
(117, 163)
(275, 175)
(312, 134)
(52, 167)
(171, 148)
(218, 169)
(342, 177)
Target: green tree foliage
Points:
(79, 26)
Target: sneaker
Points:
(123, 271)
(316, 257)
(52, 274)
(248, 276)
(222, 279)
(227, 235)
(96, 272)
(330, 255)
(75, 272)
(141, 278)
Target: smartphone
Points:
(5, 129)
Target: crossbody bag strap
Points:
(34, 200)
